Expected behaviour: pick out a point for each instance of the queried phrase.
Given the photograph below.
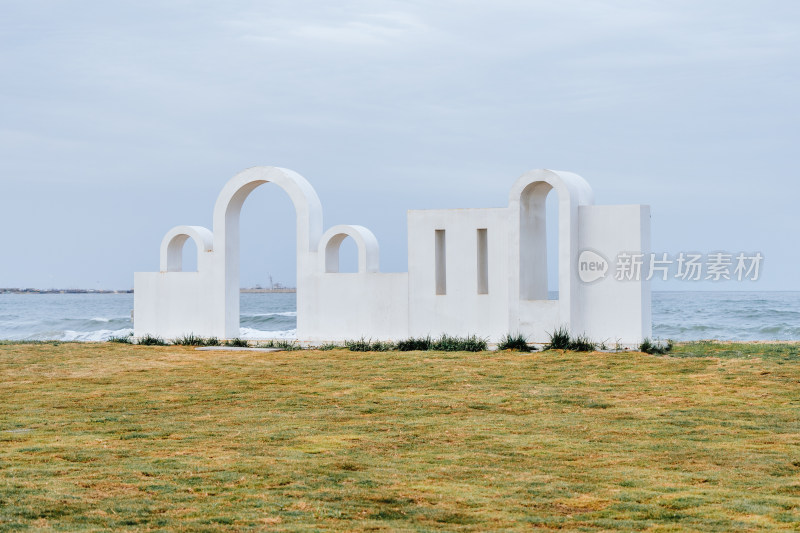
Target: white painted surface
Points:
(462, 309)
(615, 311)
(485, 273)
(343, 306)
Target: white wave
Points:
(284, 313)
(100, 319)
(255, 334)
(100, 335)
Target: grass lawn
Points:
(110, 436)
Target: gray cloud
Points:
(122, 119)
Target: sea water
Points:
(679, 316)
(98, 317)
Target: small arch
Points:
(367, 243)
(348, 256)
(172, 246)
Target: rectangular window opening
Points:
(441, 263)
(483, 262)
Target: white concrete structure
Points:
(471, 271)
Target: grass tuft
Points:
(447, 343)
(366, 345)
(237, 343)
(656, 347)
(151, 340)
(122, 340)
(329, 346)
(559, 339)
(190, 340)
(361, 345)
(412, 344)
(582, 343)
(517, 343)
(282, 344)
(380, 346)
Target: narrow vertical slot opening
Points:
(441, 263)
(483, 262)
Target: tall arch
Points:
(528, 261)
(227, 211)
(533, 240)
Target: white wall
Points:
(462, 310)
(172, 304)
(333, 306)
(342, 306)
(615, 311)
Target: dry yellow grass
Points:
(114, 436)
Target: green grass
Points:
(773, 351)
(125, 437)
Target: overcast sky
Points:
(120, 120)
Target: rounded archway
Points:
(171, 257)
(227, 212)
(528, 288)
(533, 276)
(367, 243)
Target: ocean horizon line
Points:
(34, 290)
